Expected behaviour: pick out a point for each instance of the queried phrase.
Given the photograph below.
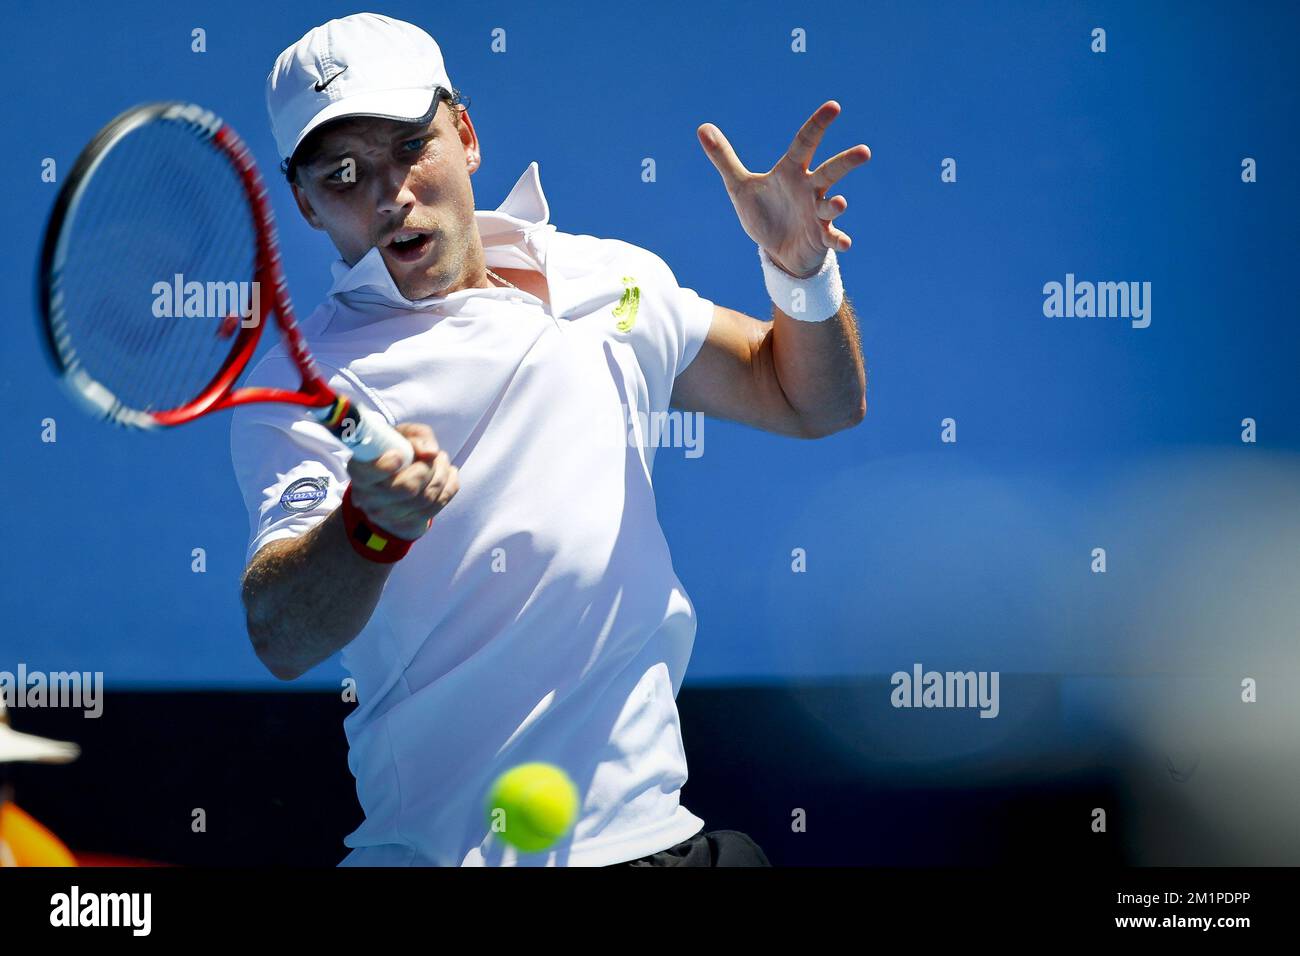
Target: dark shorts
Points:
(714, 848)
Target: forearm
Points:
(307, 597)
(820, 368)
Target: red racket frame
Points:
(220, 393)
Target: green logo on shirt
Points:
(625, 311)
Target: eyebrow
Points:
(410, 132)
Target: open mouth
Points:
(409, 246)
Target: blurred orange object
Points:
(24, 842)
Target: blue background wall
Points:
(1073, 434)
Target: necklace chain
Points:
(499, 279)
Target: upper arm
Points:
(734, 376)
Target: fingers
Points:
(828, 209)
(403, 500)
(441, 490)
(810, 134)
(721, 154)
(830, 172)
(423, 443)
(833, 238)
(424, 492)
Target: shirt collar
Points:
(525, 209)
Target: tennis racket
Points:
(159, 266)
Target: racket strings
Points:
(211, 244)
(198, 364)
(157, 256)
(103, 242)
(157, 338)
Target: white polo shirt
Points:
(540, 617)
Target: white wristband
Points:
(814, 299)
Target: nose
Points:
(395, 196)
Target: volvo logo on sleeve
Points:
(304, 494)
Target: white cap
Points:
(362, 65)
(30, 748)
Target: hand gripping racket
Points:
(159, 266)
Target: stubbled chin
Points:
(422, 285)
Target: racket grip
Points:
(364, 432)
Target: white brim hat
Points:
(362, 65)
(28, 748)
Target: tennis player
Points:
(509, 596)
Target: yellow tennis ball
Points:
(532, 805)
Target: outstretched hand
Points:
(785, 210)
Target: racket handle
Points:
(366, 433)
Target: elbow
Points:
(826, 427)
(266, 643)
(260, 624)
(280, 670)
(264, 646)
(284, 674)
(859, 411)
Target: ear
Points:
(469, 140)
(305, 207)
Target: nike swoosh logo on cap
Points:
(320, 87)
